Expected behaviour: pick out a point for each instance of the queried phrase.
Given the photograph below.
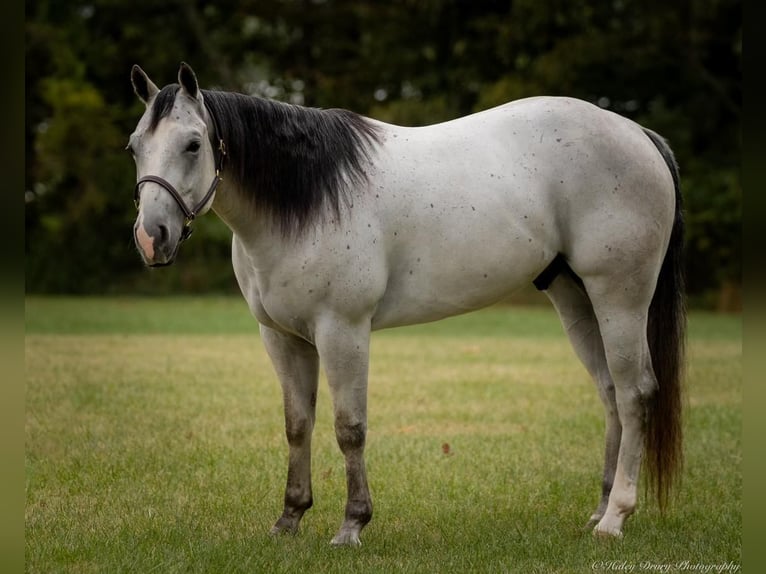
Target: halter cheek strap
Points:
(189, 214)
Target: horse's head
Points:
(175, 163)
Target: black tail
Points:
(666, 333)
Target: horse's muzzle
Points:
(155, 244)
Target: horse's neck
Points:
(238, 212)
(256, 236)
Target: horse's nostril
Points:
(164, 234)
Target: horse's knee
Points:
(351, 435)
(298, 429)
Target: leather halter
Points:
(189, 214)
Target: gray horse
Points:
(342, 225)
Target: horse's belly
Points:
(400, 309)
(457, 276)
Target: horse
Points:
(343, 225)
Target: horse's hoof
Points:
(346, 538)
(282, 528)
(592, 523)
(607, 533)
(609, 526)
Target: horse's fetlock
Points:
(299, 501)
(359, 511)
(624, 502)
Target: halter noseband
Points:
(189, 214)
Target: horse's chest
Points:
(249, 288)
(246, 276)
(270, 298)
(272, 310)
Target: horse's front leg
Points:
(344, 350)
(297, 365)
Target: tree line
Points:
(673, 67)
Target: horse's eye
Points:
(193, 147)
(129, 149)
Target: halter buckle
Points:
(187, 229)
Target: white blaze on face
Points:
(145, 241)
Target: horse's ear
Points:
(188, 80)
(145, 89)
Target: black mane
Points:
(293, 161)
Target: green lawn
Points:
(154, 443)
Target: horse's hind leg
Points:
(621, 303)
(297, 365)
(579, 321)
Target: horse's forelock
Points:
(163, 104)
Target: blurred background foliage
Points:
(674, 67)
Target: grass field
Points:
(154, 443)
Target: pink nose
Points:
(145, 242)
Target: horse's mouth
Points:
(155, 252)
(159, 258)
(165, 264)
